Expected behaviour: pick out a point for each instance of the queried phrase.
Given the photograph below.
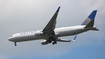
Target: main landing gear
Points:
(54, 42)
(15, 44)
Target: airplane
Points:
(50, 34)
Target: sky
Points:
(30, 15)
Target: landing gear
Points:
(52, 38)
(49, 40)
(54, 42)
(15, 44)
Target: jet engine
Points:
(44, 42)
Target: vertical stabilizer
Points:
(89, 22)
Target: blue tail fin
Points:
(92, 15)
(89, 22)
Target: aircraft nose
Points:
(10, 39)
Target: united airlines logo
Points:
(24, 33)
(86, 21)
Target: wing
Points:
(63, 40)
(52, 23)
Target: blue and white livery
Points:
(50, 34)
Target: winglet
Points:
(75, 37)
(58, 9)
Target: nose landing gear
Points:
(15, 44)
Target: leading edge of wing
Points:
(52, 23)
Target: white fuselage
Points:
(59, 32)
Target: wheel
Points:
(54, 43)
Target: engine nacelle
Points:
(38, 33)
(44, 42)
